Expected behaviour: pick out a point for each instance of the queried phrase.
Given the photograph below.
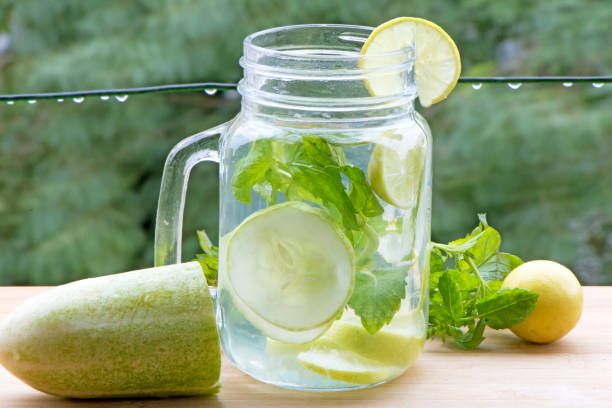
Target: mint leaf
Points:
(451, 295)
(321, 153)
(436, 261)
(466, 281)
(436, 268)
(251, 169)
(333, 161)
(481, 243)
(439, 320)
(206, 244)
(377, 296)
(471, 339)
(210, 266)
(466, 243)
(507, 307)
(267, 191)
(495, 285)
(499, 266)
(209, 260)
(360, 192)
(325, 185)
(484, 247)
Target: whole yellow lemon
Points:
(559, 303)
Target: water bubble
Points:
(477, 86)
(60, 100)
(210, 91)
(105, 97)
(598, 84)
(568, 84)
(515, 86)
(10, 102)
(121, 98)
(78, 100)
(32, 101)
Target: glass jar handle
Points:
(203, 146)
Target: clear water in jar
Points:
(392, 260)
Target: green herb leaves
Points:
(251, 170)
(465, 288)
(451, 296)
(312, 170)
(209, 260)
(377, 296)
(506, 307)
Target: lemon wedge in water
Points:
(396, 167)
(347, 352)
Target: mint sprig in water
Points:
(310, 170)
(465, 288)
(314, 171)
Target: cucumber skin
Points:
(150, 332)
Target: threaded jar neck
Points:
(311, 72)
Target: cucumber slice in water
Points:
(277, 333)
(290, 269)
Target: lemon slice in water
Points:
(437, 62)
(396, 167)
(347, 352)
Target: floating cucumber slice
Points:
(277, 333)
(272, 331)
(291, 270)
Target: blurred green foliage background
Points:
(79, 182)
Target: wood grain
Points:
(505, 372)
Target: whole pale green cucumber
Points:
(150, 332)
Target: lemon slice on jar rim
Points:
(437, 62)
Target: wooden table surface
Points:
(505, 372)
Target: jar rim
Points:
(319, 51)
(250, 43)
(313, 67)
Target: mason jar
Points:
(325, 207)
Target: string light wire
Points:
(212, 87)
